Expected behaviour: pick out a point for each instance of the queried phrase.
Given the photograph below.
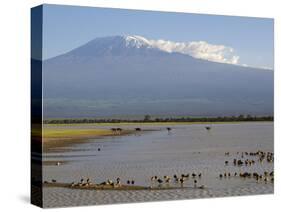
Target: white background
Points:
(15, 101)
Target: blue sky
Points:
(67, 27)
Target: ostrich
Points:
(169, 129)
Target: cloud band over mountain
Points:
(197, 49)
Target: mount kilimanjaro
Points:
(128, 75)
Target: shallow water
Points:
(186, 149)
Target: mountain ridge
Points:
(110, 76)
(115, 42)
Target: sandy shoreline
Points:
(115, 188)
(53, 138)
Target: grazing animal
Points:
(58, 163)
(138, 129)
(114, 130)
(226, 162)
(169, 129)
(119, 130)
(128, 182)
(99, 149)
(200, 175)
(132, 182)
(220, 175)
(208, 128)
(54, 181)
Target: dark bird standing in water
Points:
(160, 181)
(207, 128)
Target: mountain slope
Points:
(126, 75)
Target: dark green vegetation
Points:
(149, 119)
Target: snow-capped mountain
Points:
(126, 45)
(132, 75)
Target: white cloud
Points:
(199, 49)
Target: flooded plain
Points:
(185, 149)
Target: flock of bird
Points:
(247, 159)
(181, 179)
(166, 180)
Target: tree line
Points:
(148, 118)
